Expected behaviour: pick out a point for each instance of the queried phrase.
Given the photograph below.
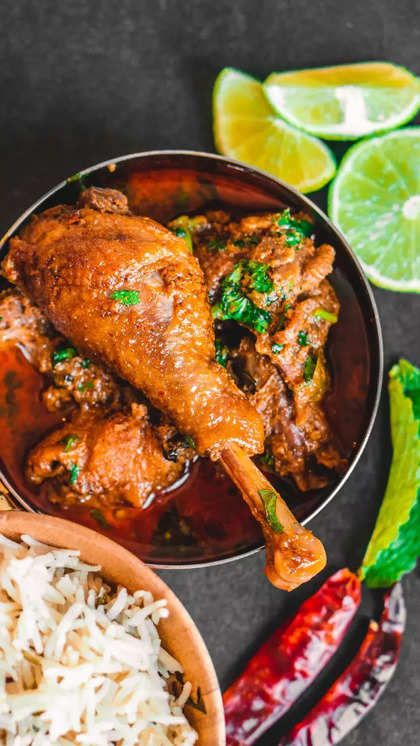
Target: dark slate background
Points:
(84, 81)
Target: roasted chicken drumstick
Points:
(128, 292)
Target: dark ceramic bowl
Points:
(204, 520)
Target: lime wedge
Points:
(246, 128)
(345, 102)
(375, 202)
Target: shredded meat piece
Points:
(104, 200)
(23, 324)
(105, 459)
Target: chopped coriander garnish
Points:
(65, 353)
(85, 362)
(189, 441)
(309, 367)
(68, 442)
(85, 386)
(302, 226)
(238, 307)
(296, 230)
(235, 304)
(246, 241)
(74, 473)
(222, 353)
(292, 239)
(186, 235)
(99, 518)
(269, 499)
(302, 338)
(322, 313)
(267, 458)
(276, 347)
(126, 297)
(259, 279)
(216, 244)
(74, 177)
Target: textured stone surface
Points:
(84, 81)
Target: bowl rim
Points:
(376, 385)
(122, 566)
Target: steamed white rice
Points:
(81, 663)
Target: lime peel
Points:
(345, 102)
(246, 128)
(374, 201)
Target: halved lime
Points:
(345, 102)
(246, 128)
(375, 202)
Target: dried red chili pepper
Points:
(290, 660)
(358, 689)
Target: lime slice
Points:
(246, 128)
(375, 201)
(345, 102)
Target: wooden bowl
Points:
(179, 634)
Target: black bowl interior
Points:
(204, 520)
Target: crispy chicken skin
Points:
(112, 458)
(74, 263)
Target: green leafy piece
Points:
(258, 274)
(309, 367)
(296, 229)
(85, 386)
(69, 441)
(126, 297)
(65, 353)
(276, 347)
(186, 235)
(293, 239)
(267, 458)
(189, 441)
(216, 244)
(286, 221)
(302, 337)
(322, 313)
(85, 362)
(235, 304)
(246, 242)
(269, 499)
(99, 518)
(74, 470)
(395, 544)
(222, 353)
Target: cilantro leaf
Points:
(322, 313)
(186, 235)
(269, 499)
(64, 353)
(68, 442)
(126, 297)
(235, 304)
(222, 353)
(302, 338)
(309, 367)
(99, 517)
(74, 470)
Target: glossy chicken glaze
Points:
(71, 261)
